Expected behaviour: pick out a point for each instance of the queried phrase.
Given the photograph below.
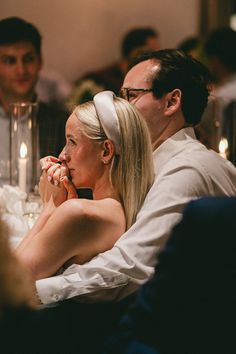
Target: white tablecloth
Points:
(19, 211)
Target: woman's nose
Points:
(64, 157)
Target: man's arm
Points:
(120, 271)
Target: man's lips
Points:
(22, 81)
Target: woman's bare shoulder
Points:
(107, 209)
(99, 222)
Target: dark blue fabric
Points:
(190, 304)
(188, 307)
(70, 327)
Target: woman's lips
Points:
(71, 170)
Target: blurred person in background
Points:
(53, 88)
(20, 65)
(220, 53)
(16, 288)
(111, 77)
(25, 327)
(189, 305)
(191, 46)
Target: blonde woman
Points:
(108, 150)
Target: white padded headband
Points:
(107, 115)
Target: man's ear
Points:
(173, 102)
(108, 151)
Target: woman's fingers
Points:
(71, 191)
(54, 169)
(54, 173)
(64, 171)
(48, 161)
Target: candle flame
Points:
(223, 145)
(23, 150)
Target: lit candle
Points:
(223, 146)
(22, 167)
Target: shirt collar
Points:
(162, 154)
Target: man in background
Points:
(20, 65)
(220, 52)
(219, 116)
(135, 41)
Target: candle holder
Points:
(24, 146)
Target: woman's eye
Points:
(71, 142)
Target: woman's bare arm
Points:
(54, 243)
(76, 228)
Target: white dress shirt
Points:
(184, 170)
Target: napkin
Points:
(19, 213)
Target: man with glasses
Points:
(130, 94)
(171, 91)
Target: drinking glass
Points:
(24, 145)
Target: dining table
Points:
(19, 210)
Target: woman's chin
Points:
(77, 184)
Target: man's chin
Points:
(24, 94)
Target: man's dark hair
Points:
(180, 71)
(136, 38)
(14, 30)
(221, 43)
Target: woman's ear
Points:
(108, 151)
(173, 102)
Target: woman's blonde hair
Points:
(16, 287)
(132, 171)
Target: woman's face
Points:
(82, 155)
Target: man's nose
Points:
(21, 67)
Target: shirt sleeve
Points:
(120, 271)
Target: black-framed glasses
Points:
(130, 94)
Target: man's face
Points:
(153, 43)
(140, 77)
(19, 68)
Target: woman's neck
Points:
(104, 189)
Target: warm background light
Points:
(23, 150)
